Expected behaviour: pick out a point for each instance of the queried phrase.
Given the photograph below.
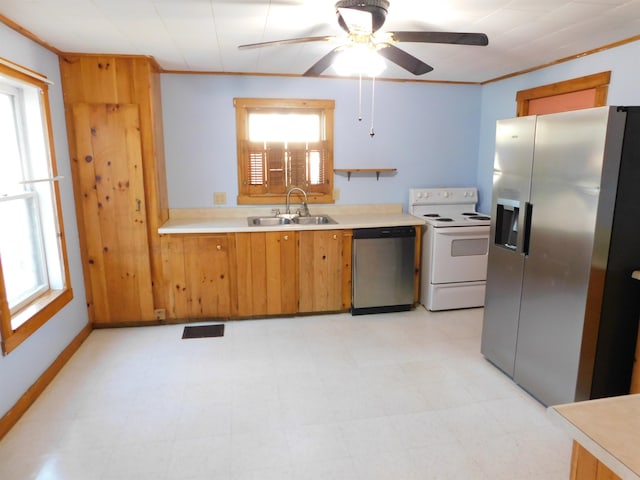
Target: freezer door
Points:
(511, 188)
(566, 185)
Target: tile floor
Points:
(388, 396)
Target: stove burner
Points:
(479, 217)
(470, 213)
(431, 215)
(444, 219)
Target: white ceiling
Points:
(203, 35)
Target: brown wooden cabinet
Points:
(322, 268)
(114, 126)
(108, 170)
(198, 279)
(267, 273)
(585, 466)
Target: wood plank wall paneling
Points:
(116, 79)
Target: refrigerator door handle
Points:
(528, 212)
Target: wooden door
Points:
(267, 273)
(108, 173)
(197, 270)
(321, 271)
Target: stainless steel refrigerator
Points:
(561, 309)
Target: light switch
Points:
(336, 194)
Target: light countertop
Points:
(222, 220)
(608, 428)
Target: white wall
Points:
(22, 367)
(429, 132)
(499, 98)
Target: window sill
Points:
(275, 199)
(32, 317)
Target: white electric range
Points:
(455, 247)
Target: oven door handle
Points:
(463, 231)
(528, 213)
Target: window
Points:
(574, 94)
(284, 143)
(34, 282)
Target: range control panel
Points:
(443, 196)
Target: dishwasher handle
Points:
(384, 232)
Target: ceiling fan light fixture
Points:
(377, 9)
(359, 60)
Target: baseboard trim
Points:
(35, 390)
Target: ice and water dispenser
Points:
(507, 215)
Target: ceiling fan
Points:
(362, 19)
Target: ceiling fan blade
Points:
(479, 39)
(322, 64)
(405, 60)
(357, 21)
(287, 42)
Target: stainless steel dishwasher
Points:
(383, 269)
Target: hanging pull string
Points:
(360, 98)
(373, 96)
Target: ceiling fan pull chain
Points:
(360, 98)
(373, 96)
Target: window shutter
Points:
(255, 166)
(318, 182)
(297, 164)
(276, 179)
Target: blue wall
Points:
(498, 99)
(22, 367)
(434, 134)
(428, 132)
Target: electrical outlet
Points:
(219, 198)
(160, 314)
(336, 194)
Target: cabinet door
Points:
(108, 173)
(197, 276)
(267, 274)
(321, 271)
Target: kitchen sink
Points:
(285, 220)
(267, 221)
(313, 220)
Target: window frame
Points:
(250, 195)
(38, 311)
(598, 82)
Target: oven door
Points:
(459, 254)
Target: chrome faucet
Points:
(305, 207)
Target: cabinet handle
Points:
(335, 237)
(138, 204)
(286, 237)
(218, 247)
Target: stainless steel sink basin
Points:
(267, 221)
(314, 220)
(286, 220)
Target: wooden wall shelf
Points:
(377, 171)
